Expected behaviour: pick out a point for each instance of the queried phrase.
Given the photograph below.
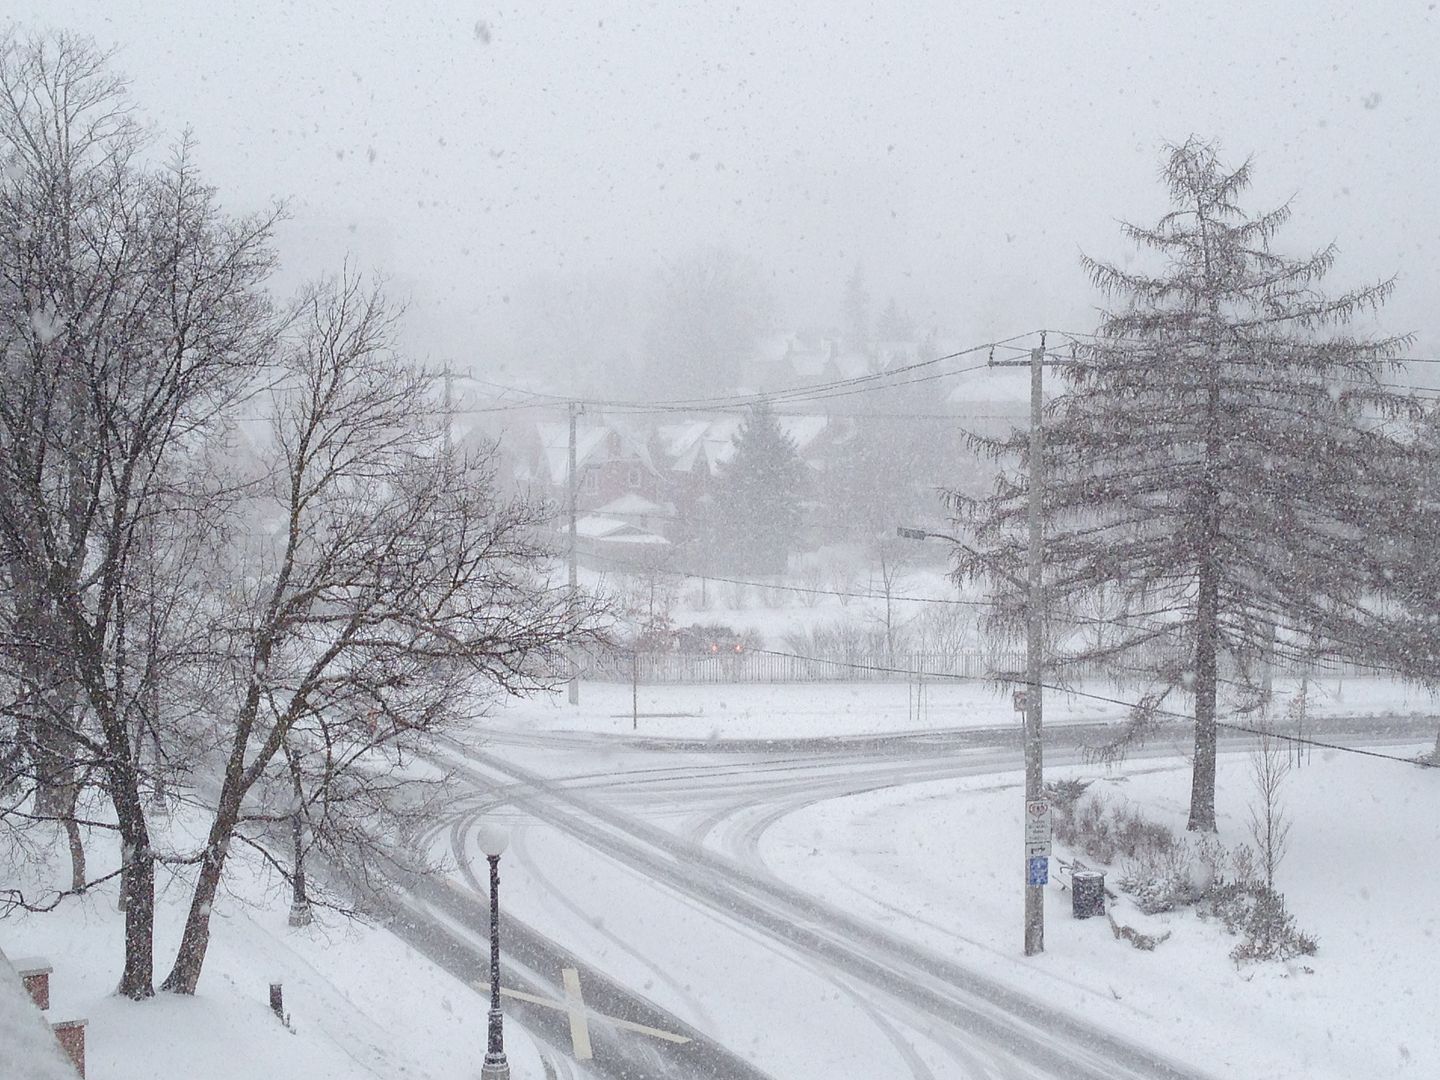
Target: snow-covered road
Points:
(648, 869)
(639, 864)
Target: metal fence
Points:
(767, 666)
(763, 666)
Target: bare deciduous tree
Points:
(387, 590)
(132, 317)
(1269, 823)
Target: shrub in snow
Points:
(1258, 914)
(1104, 831)
(847, 640)
(1063, 795)
(1161, 872)
(1144, 942)
(1159, 878)
(811, 576)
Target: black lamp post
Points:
(492, 840)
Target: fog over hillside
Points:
(533, 176)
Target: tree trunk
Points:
(78, 875)
(52, 738)
(1207, 605)
(190, 957)
(55, 798)
(137, 889)
(299, 900)
(1202, 777)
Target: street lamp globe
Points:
(492, 840)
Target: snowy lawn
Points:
(942, 862)
(361, 1003)
(721, 711)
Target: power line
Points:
(791, 395)
(820, 392)
(619, 564)
(851, 665)
(1075, 335)
(1242, 728)
(1245, 729)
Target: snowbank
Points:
(28, 1050)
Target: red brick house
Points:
(611, 460)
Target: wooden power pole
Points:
(1037, 808)
(574, 575)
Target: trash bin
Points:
(1087, 893)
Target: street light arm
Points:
(921, 534)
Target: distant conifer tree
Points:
(759, 500)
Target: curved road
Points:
(687, 817)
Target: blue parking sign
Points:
(1039, 871)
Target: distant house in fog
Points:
(692, 454)
(611, 460)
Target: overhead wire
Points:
(621, 565)
(866, 383)
(1071, 691)
(871, 383)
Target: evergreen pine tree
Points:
(1217, 467)
(1408, 574)
(760, 493)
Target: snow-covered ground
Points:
(938, 863)
(361, 1003)
(806, 710)
(941, 863)
(932, 861)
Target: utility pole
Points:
(1037, 810)
(1034, 628)
(574, 576)
(449, 412)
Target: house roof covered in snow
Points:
(28, 1048)
(707, 444)
(632, 504)
(592, 442)
(700, 445)
(611, 530)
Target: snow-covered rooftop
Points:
(632, 504)
(28, 1050)
(613, 531)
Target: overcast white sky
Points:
(963, 153)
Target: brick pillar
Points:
(37, 985)
(71, 1035)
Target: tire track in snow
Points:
(1046, 1039)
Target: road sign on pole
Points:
(1037, 870)
(1037, 828)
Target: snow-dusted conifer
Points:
(1218, 467)
(759, 501)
